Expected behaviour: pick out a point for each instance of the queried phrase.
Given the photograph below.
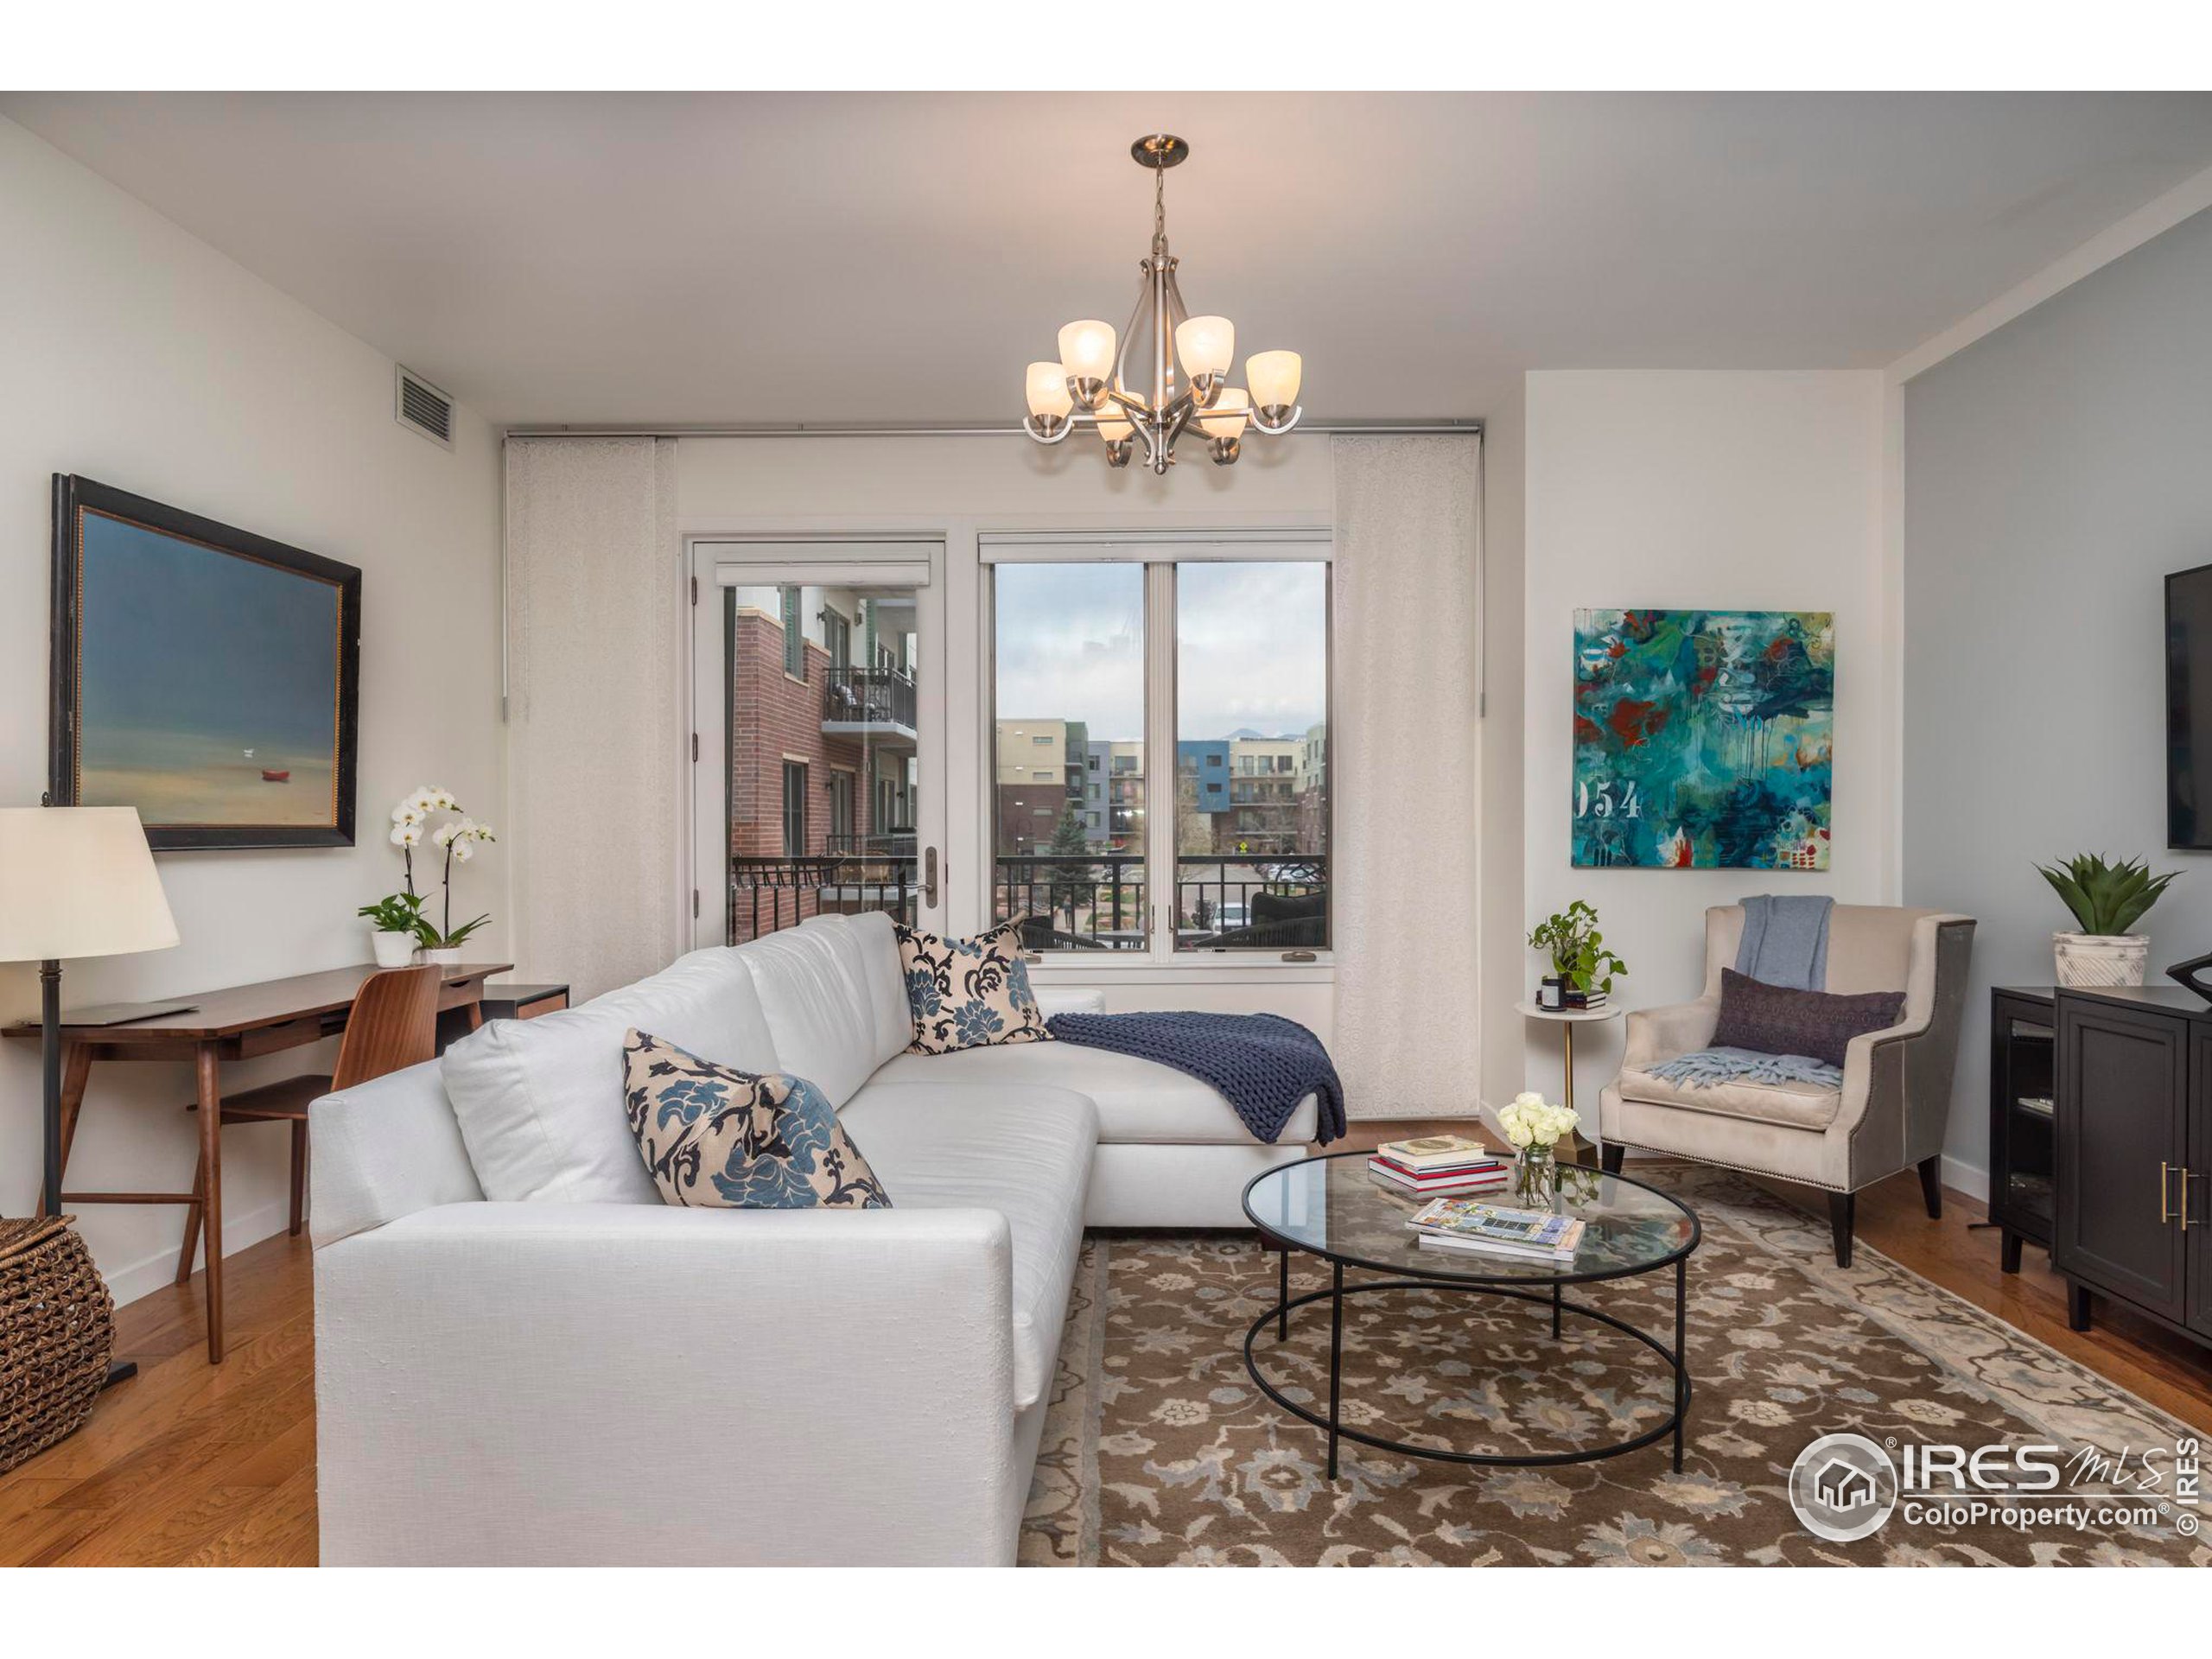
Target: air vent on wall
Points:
(424, 408)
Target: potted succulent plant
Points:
(1582, 968)
(2107, 900)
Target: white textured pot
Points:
(444, 957)
(2100, 958)
(392, 950)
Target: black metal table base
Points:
(1333, 1427)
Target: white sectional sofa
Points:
(523, 1356)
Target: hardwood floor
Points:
(193, 1464)
(188, 1463)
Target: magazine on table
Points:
(1470, 1223)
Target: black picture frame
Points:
(75, 497)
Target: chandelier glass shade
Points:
(1168, 372)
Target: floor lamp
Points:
(74, 881)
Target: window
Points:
(1252, 691)
(837, 636)
(1070, 646)
(1042, 737)
(1184, 863)
(841, 811)
(794, 808)
(794, 635)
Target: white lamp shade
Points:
(1273, 378)
(1048, 391)
(78, 882)
(1226, 418)
(1114, 428)
(1087, 350)
(1206, 344)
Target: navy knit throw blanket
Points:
(1264, 1064)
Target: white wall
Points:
(137, 355)
(1743, 491)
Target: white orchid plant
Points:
(458, 836)
(1532, 1121)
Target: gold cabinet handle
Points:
(2166, 1214)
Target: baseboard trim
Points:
(1961, 1177)
(158, 1271)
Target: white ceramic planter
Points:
(2100, 958)
(392, 950)
(444, 957)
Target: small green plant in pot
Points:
(2107, 900)
(1582, 968)
(396, 925)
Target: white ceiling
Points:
(859, 258)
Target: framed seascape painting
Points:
(1703, 740)
(206, 676)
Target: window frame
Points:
(791, 602)
(793, 812)
(1159, 553)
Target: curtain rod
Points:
(1381, 428)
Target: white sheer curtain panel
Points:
(596, 726)
(1404, 754)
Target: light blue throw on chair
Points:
(1786, 941)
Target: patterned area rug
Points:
(1159, 1451)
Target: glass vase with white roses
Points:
(1533, 1126)
(457, 838)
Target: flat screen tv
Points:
(2189, 708)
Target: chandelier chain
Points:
(1159, 210)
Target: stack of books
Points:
(1493, 1230)
(1432, 1164)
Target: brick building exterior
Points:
(831, 806)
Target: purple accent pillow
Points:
(1775, 1019)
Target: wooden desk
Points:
(240, 1023)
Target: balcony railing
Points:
(768, 894)
(892, 843)
(1223, 900)
(1094, 901)
(868, 696)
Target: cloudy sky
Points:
(1252, 644)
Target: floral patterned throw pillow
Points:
(718, 1138)
(969, 993)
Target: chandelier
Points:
(1129, 389)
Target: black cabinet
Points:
(2132, 1152)
(2196, 1195)
(2023, 1118)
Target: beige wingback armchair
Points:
(1895, 1097)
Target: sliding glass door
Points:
(817, 698)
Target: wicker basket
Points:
(57, 1329)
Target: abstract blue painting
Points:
(1703, 740)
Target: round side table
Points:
(1567, 1019)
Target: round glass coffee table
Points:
(1331, 1208)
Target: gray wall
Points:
(2054, 472)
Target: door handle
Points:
(2184, 1198)
(2166, 1214)
(929, 898)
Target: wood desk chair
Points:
(393, 1024)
